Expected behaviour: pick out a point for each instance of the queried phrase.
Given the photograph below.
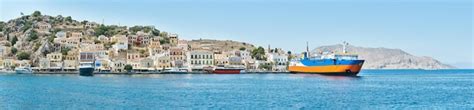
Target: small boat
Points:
(175, 71)
(231, 69)
(23, 70)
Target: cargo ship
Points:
(221, 69)
(327, 63)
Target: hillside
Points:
(33, 36)
(224, 45)
(384, 58)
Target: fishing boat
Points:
(86, 64)
(329, 64)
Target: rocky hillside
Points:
(384, 58)
(30, 37)
(224, 45)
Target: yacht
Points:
(23, 70)
(175, 71)
(86, 64)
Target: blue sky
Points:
(441, 29)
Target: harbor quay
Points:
(153, 72)
(58, 46)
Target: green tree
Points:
(84, 22)
(23, 56)
(51, 38)
(128, 68)
(135, 29)
(164, 34)
(14, 50)
(14, 40)
(37, 46)
(105, 30)
(142, 52)
(108, 45)
(27, 25)
(65, 50)
(165, 40)
(258, 53)
(147, 29)
(2, 25)
(242, 48)
(36, 14)
(33, 36)
(289, 55)
(68, 19)
(155, 32)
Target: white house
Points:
(121, 42)
(279, 61)
(61, 34)
(200, 59)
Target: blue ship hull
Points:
(327, 66)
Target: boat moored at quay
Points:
(328, 63)
(231, 69)
(86, 64)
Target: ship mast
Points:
(307, 49)
(344, 44)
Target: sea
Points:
(371, 89)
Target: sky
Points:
(441, 29)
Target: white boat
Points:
(23, 70)
(86, 64)
(6, 71)
(175, 71)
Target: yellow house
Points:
(174, 39)
(8, 63)
(55, 60)
(163, 62)
(55, 57)
(118, 65)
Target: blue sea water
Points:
(372, 89)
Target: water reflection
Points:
(330, 77)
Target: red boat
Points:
(227, 70)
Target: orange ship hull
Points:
(329, 69)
